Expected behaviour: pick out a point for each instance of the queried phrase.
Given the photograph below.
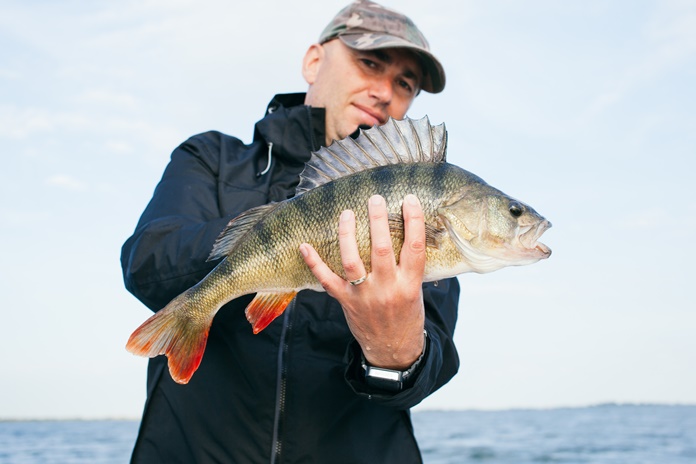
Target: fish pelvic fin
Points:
(237, 228)
(265, 307)
(177, 333)
(395, 142)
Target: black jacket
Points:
(294, 393)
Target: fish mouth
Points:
(529, 238)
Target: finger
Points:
(350, 254)
(412, 258)
(382, 255)
(332, 283)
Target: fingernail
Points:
(346, 215)
(376, 200)
(412, 200)
(303, 250)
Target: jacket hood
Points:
(294, 128)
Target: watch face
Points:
(383, 374)
(383, 379)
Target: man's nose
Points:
(382, 89)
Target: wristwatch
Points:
(389, 379)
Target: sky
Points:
(584, 110)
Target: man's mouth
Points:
(374, 117)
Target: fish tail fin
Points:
(177, 332)
(265, 307)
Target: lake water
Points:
(609, 434)
(599, 435)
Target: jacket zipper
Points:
(284, 344)
(281, 385)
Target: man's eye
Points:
(368, 63)
(406, 86)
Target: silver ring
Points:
(358, 281)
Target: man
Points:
(311, 387)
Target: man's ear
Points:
(312, 62)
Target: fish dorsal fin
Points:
(396, 142)
(236, 229)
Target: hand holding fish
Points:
(385, 313)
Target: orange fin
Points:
(175, 331)
(267, 306)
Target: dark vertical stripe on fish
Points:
(383, 179)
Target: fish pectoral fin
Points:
(433, 234)
(265, 307)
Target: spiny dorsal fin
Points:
(236, 229)
(396, 142)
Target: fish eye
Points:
(516, 209)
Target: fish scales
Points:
(470, 227)
(269, 258)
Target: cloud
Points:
(20, 123)
(118, 147)
(20, 218)
(104, 98)
(66, 182)
(116, 134)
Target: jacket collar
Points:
(294, 128)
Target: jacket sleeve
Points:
(440, 362)
(167, 253)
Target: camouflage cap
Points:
(365, 25)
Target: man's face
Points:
(360, 87)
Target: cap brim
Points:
(434, 73)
